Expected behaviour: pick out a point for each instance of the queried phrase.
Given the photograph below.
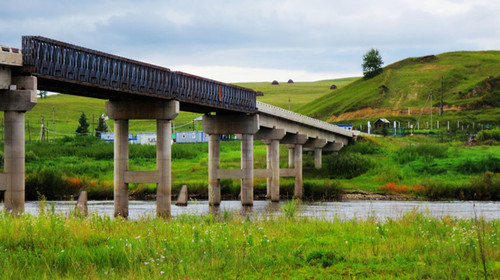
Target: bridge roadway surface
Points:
(136, 90)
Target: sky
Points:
(257, 41)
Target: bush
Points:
(49, 182)
(484, 164)
(485, 188)
(326, 190)
(364, 148)
(347, 165)
(427, 152)
(493, 134)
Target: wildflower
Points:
(146, 263)
(161, 272)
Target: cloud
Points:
(303, 37)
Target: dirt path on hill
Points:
(369, 112)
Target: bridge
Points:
(136, 90)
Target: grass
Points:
(299, 93)
(230, 246)
(471, 84)
(66, 110)
(422, 166)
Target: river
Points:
(345, 210)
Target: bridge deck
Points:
(66, 68)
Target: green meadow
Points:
(432, 167)
(230, 246)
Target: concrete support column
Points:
(268, 166)
(247, 167)
(291, 156)
(14, 161)
(214, 197)
(275, 169)
(317, 158)
(164, 165)
(298, 191)
(120, 166)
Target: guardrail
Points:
(289, 115)
(53, 60)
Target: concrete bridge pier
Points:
(247, 126)
(316, 145)
(214, 196)
(163, 112)
(15, 103)
(291, 156)
(247, 168)
(296, 140)
(299, 187)
(121, 155)
(271, 137)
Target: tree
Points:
(101, 126)
(83, 128)
(372, 64)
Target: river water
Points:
(345, 210)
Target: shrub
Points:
(50, 182)
(324, 258)
(364, 148)
(485, 188)
(326, 190)
(394, 188)
(347, 165)
(427, 152)
(493, 134)
(484, 164)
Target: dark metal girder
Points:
(71, 69)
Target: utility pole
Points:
(441, 107)
(53, 124)
(42, 129)
(431, 109)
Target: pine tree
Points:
(83, 128)
(101, 126)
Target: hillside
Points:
(299, 93)
(471, 83)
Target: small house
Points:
(381, 123)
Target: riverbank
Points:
(229, 246)
(394, 168)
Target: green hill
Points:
(299, 93)
(471, 83)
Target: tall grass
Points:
(347, 165)
(230, 246)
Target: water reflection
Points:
(325, 210)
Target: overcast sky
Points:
(240, 41)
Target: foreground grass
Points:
(228, 246)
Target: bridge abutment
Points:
(163, 112)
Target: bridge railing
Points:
(53, 60)
(289, 115)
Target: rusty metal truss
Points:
(71, 69)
